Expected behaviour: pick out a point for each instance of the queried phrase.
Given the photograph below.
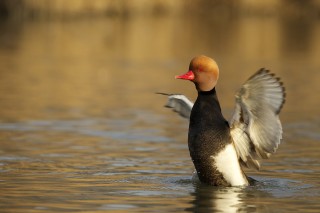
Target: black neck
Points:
(210, 92)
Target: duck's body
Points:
(219, 148)
(210, 143)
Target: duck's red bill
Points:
(187, 76)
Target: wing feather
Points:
(179, 103)
(255, 126)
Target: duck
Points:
(220, 149)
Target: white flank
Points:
(227, 163)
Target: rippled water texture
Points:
(82, 130)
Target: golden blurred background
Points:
(44, 9)
(95, 58)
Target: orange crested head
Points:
(203, 71)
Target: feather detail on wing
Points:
(179, 103)
(255, 126)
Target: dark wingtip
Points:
(261, 70)
(162, 93)
(284, 95)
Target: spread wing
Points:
(179, 103)
(255, 126)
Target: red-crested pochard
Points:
(219, 148)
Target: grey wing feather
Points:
(255, 126)
(179, 103)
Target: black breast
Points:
(209, 133)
